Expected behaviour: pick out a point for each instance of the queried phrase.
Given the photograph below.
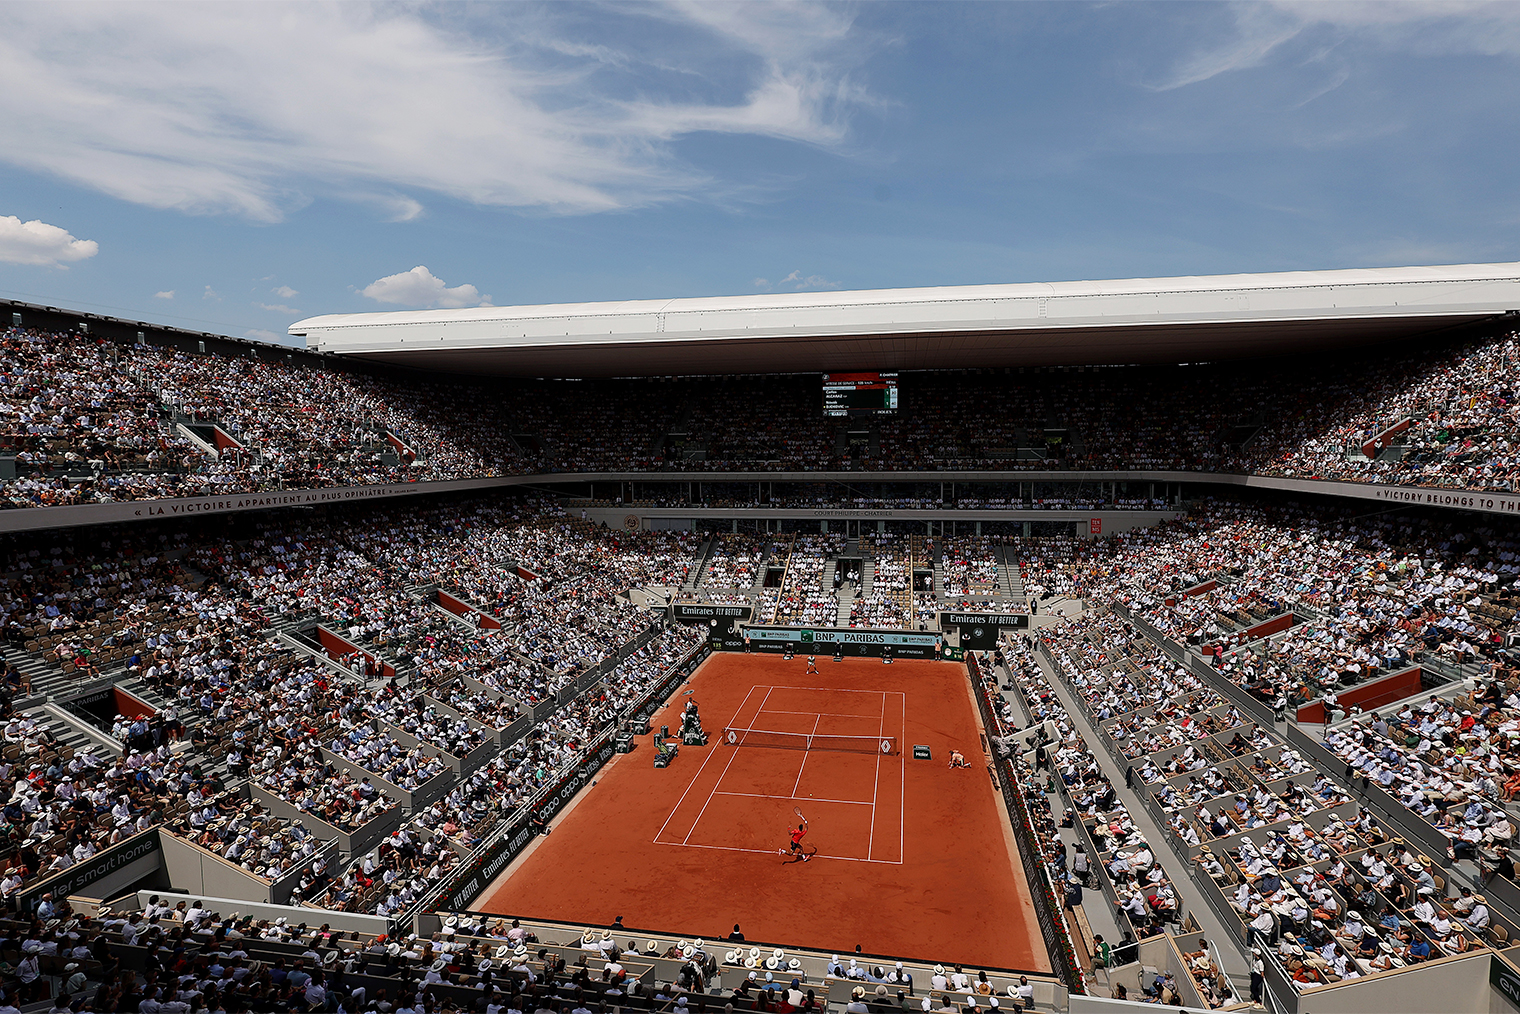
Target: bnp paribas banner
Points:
(837, 641)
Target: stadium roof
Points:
(1165, 320)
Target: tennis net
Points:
(735, 736)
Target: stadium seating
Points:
(89, 421)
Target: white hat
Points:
(485, 965)
(451, 921)
(393, 948)
(653, 947)
(772, 964)
(751, 962)
(697, 945)
(754, 952)
(778, 954)
(589, 937)
(730, 957)
(503, 950)
(440, 964)
(681, 945)
(794, 964)
(520, 951)
(938, 969)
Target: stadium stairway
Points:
(846, 600)
(47, 680)
(699, 567)
(1010, 581)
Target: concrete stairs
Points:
(1010, 581)
(700, 567)
(46, 678)
(846, 600)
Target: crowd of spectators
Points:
(1374, 593)
(888, 604)
(191, 614)
(90, 421)
(802, 600)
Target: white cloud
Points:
(800, 282)
(254, 109)
(1260, 30)
(762, 283)
(277, 308)
(166, 294)
(419, 287)
(285, 292)
(260, 335)
(38, 243)
(211, 293)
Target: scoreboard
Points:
(850, 394)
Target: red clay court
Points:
(912, 859)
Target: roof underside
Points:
(1066, 323)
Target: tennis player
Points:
(797, 837)
(812, 669)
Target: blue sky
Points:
(233, 168)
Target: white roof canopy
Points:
(1044, 323)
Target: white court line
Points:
(725, 768)
(800, 799)
(803, 765)
(881, 727)
(825, 714)
(902, 783)
(694, 777)
(772, 852)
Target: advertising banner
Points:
(99, 866)
(722, 623)
(829, 641)
(979, 631)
